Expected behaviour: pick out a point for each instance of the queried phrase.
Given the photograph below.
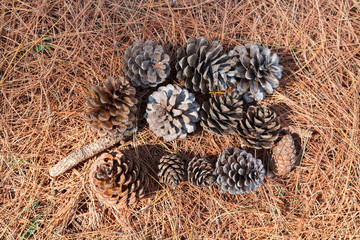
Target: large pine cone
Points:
(202, 68)
(259, 128)
(221, 115)
(117, 181)
(171, 170)
(284, 156)
(200, 172)
(172, 112)
(238, 171)
(257, 71)
(113, 109)
(146, 64)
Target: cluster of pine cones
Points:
(226, 82)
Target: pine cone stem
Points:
(85, 153)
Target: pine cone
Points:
(171, 170)
(221, 115)
(200, 172)
(259, 128)
(117, 181)
(202, 68)
(146, 64)
(283, 156)
(238, 171)
(257, 71)
(113, 109)
(172, 112)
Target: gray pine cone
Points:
(171, 170)
(238, 172)
(259, 128)
(257, 71)
(200, 173)
(202, 68)
(146, 64)
(172, 112)
(221, 115)
(113, 109)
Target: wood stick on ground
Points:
(84, 153)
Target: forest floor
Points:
(51, 52)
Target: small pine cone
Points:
(172, 112)
(259, 128)
(257, 71)
(221, 115)
(117, 181)
(238, 171)
(202, 68)
(171, 170)
(113, 109)
(283, 156)
(200, 172)
(146, 64)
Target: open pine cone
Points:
(171, 170)
(200, 172)
(113, 109)
(202, 68)
(172, 112)
(259, 128)
(238, 171)
(221, 115)
(117, 181)
(284, 156)
(257, 71)
(146, 64)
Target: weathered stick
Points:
(84, 153)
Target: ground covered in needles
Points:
(51, 52)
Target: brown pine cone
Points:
(283, 156)
(146, 64)
(171, 170)
(259, 128)
(200, 172)
(117, 181)
(113, 109)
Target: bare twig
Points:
(84, 153)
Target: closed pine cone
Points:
(171, 170)
(146, 64)
(259, 128)
(202, 68)
(200, 172)
(238, 172)
(221, 115)
(283, 156)
(257, 71)
(113, 109)
(117, 181)
(172, 112)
